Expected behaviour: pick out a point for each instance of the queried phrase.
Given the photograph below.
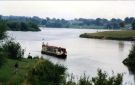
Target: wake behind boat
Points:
(54, 51)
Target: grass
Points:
(8, 75)
(44, 72)
(113, 35)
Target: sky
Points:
(69, 9)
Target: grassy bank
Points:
(112, 35)
(44, 72)
(7, 71)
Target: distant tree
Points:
(98, 21)
(127, 20)
(15, 26)
(0, 17)
(133, 25)
(23, 26)
(33, 27)
(44, 21)
(131, 19)
(122, 24)
(130, 60)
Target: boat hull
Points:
(63, 56)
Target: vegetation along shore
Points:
(112, 35)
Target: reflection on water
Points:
(121, 45)
(83, 55)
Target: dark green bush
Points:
(12, 49)
(3, 28)
(130, 60)
(2, 58)
(133, 25)
(101, 79)
(46, 73)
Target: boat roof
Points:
(54, 46)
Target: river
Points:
(83, 55)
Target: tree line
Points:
(20, 25)
(98, 23)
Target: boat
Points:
(54, 51)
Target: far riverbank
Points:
(127, 35)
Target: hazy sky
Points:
(69, 9)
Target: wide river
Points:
(83, 55)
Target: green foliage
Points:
(33, 26)
(8, 75)
(101, 79)
(85, 81)
(12, 49)
(3, 28)
(13, 26)
(46, 73)
(122, 24)
(98, 23)
(2, 58)
(22, 26)
(130, 60)
(133, 25)
(113, 35)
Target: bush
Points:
(133, 25)
(12, 49)
(3, 28)
(36, 57)
(130, 60)
(46, 73)
(2, 59)
(101, 79)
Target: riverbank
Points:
(7, 71)
(128, 35)
(44, 72)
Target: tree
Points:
(2, 36)
(24, 26)
(130, 60)
(2, 59)
(101, 79)
(46, 73)
(3, 28)
(122, 24)
(133, 25)
(12, 49)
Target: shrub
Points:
(2, 59)
(130, 60)
(46, 73)
(133, 25)
(36, 57)
(101, 79)
(12, 49)
(3, 28)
